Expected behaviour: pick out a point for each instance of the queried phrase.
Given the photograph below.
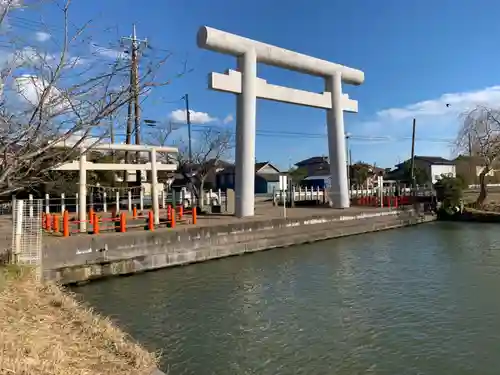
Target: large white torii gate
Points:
(249, 87)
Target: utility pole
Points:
(136, 45)
(413, 154)
(188, 120)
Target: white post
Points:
(381, 190)
(317, 193)
(19, 225)
(117, 200)
(336, 143)
(219, 196)
(154, 187)
(104, 202)
(63, 203)
(13, 207)
(141, 200)
(283, 188)
(245, 135)
(284, 205)
(76, 204)
(82, 193)
(47, 204)
(129, 201)
(164, 198)
(30, 200)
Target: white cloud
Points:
(199, 118)
(25, 57)
(229, 118)
(8, 5)
(30, 88)
(76, 61)
(30, 57)
(387, 133)
(86, 140)
(109, 53)
(458, 103)
(42, 36)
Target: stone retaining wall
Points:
(108, 255)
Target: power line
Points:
(302, 135)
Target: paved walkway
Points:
(263, 212)
(268, 211)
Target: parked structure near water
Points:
(249, 87)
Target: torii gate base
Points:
(249, 87)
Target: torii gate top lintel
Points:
(231, 44)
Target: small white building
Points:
(433, 166)
(438, 170)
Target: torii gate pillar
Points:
(246, 107)
(339, 190)
(249, 87)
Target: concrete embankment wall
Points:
(86, 258)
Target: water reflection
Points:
(419, 300)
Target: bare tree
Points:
(480, 136)
(209, 148)
(49, 98)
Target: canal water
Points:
(420, 300)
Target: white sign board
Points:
(283, 182)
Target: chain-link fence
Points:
(27, 233)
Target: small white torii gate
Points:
(83, 166)
(249, 87)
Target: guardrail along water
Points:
(419, 300)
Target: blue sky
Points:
(417, 56)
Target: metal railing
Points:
(27, 233)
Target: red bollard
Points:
(172, 221)
(48, 222)
(151, 221)
(123, 223)
(91, 216)
(95, 222)
(193, 212)
(55, 223)
(66, 224)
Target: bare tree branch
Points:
(47, 98)
(208, 150)
(480, 137)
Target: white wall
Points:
(479, 169)
(438, 170)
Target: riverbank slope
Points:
(45, 331)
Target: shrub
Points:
(449, 191)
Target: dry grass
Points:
(46, 331)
